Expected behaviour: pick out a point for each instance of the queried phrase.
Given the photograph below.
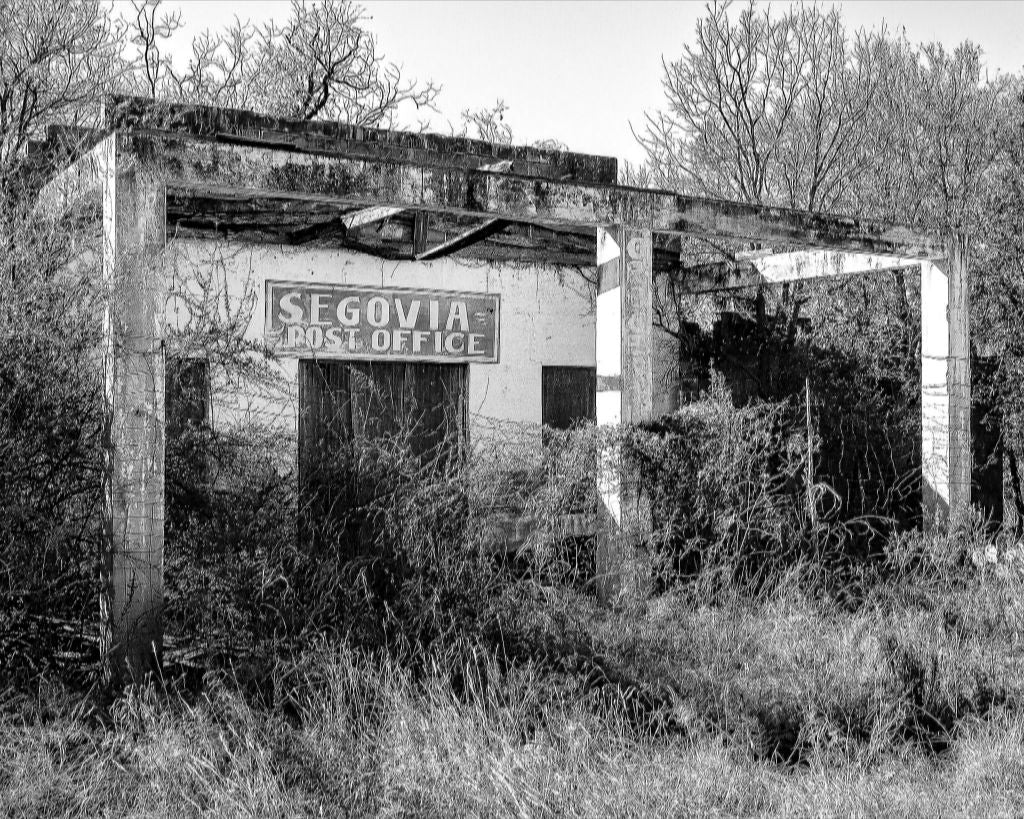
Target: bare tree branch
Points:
(322, 63)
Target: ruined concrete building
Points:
(467, 282)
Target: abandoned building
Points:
(467, 283)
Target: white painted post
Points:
(958, 381)
(934, 396)
(625, 268)
(134, 234)
(947, 455)
(637, 284)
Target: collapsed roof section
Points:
(402, 195)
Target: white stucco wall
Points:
(547, 318)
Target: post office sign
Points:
(343, 321)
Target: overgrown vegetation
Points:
(50, 448)
(779, 705)
(432, 677)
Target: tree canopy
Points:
(792, 109)
(59, 58)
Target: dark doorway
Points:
(343, 406)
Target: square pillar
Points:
(934, 396)
(625, 321)
(946, 452)
(134, 234)
(958, 380)
(637, 341)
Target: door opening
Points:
(350, 412)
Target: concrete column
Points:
(637, 283)
(946, 452)
(958, 380)
(934, 396)
(625, 276)
(134, 234)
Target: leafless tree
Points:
(489, 124)
(762, 108)
(322, 63)
(788, 109)
(57, 57)
(933, 138)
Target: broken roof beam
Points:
(367, 216)
(464, 240)
(229, 170)
(333, 138)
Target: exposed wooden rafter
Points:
(464, 240)
(369, 215)
(420, 229)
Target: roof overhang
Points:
(405, 195)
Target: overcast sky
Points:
(582, 72)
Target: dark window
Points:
(187, 409)
(187, 394)
(568, 396)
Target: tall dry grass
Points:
(433, 676)
(364, 736)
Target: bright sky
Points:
(583, 72)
